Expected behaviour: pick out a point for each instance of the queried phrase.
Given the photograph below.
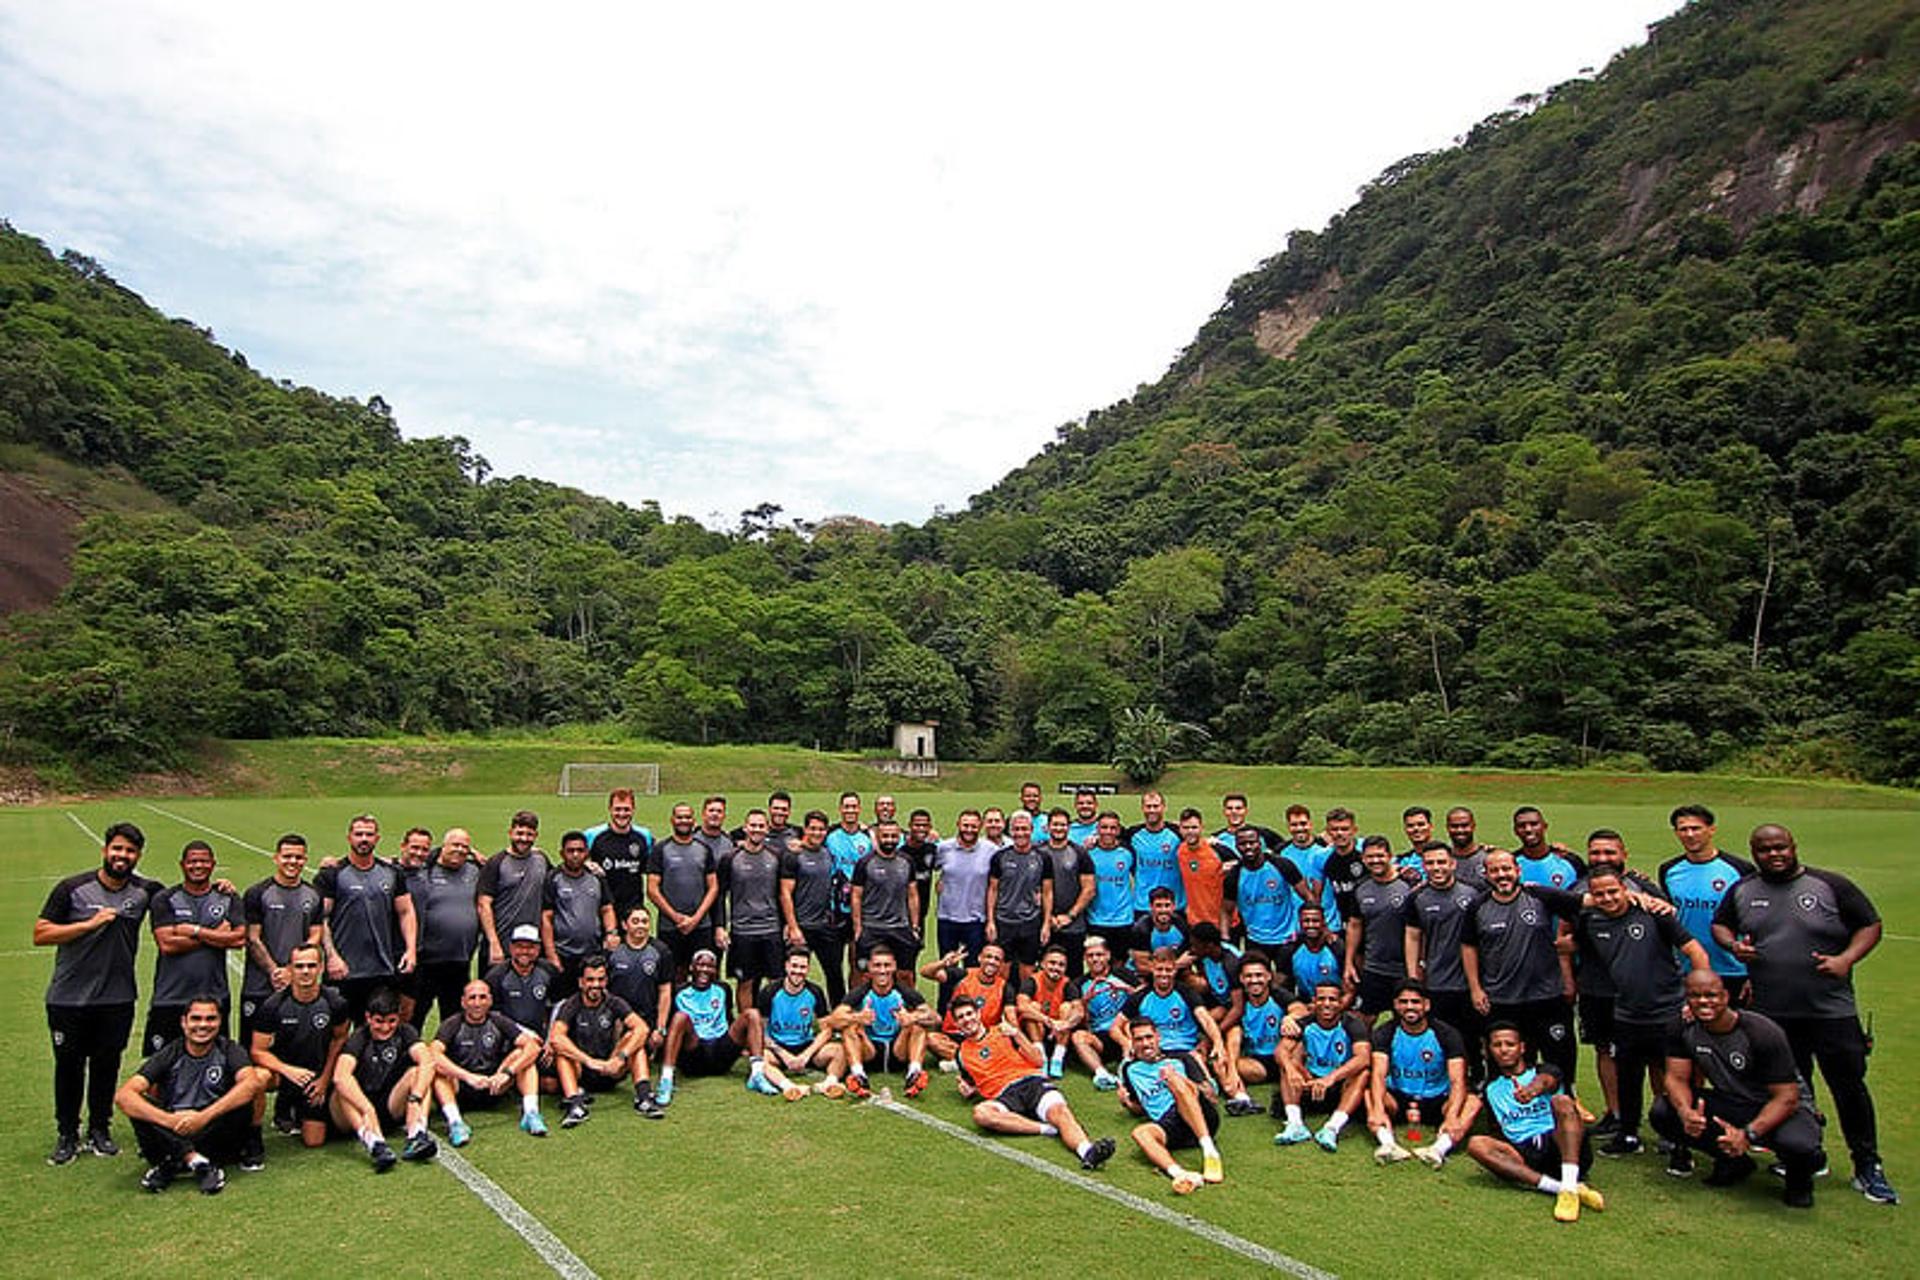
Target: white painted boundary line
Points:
(91, 833)
(562, 1260)
(1186, 1222)
(545, 1245)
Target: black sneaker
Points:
(1680, 1162)
(1871, 1182)
(101, 1143)
(420, 1146)
(1779, 1169)
(576, 1113)
(284, 1123)
(211, 1177)
(382, 1156)
(65, 1149)
(1243, 1107)
(1621, 1144)
(158, 1178)
(1605, 1127)
(253, 1153)
(1731, 1173)
(1098, 1154)
(647, 1107)
(1798, 1195)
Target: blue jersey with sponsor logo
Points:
(1696, 889)
(1172, 1013)
(1155, 864)
(1520, 1121)
(706, 1009)
(1260, 1027)
(792, 1018)
(1146, 1082)
(1105, 998)
(1555, 870)
(1327, 1049)
(1417, 1063)
(1269, 908)
(1311, 968)
(1112, 906)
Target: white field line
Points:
(1186, 1222)
(546, 1246)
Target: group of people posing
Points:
(1441, 987)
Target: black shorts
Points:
(1024, 1096)
(1542, 1154)
(887, 1055)
(899, 941)
(681, 946)
(709, 1057)
(1107, 1046)
(1181, 1138)
(597, 1081)
(1021, 942)
(1376, 991)
(1267, 1063)
(1596, 1020)
(756, 956)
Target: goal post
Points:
(599, 779)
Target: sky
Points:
(853, 258)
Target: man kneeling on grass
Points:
(191, 1104)
(1541, 1133)
(1176, 1097)
(1005, 1070)
(384, 1076)
(478, 1057)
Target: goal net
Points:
(599, 779)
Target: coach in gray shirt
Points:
(513, 884)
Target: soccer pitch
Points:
(735, 1184)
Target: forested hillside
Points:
(1596, 436)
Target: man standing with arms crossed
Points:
(194, 926)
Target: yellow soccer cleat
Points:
(1592, 1199)
(1566, 1206)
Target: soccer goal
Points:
(599, 779)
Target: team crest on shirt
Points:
(1426, 1055)
(320, 1019)
(216, 1071)
(540, 991)
(1808, 902)
(1529, 917)
(983, 1053)
(1636, 931)
(387, 1053)
(1737, 1060)
(1719, 885)
(1557, 1031)
(488, 1038)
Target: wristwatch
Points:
(1753, 1139)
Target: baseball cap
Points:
(524, 933)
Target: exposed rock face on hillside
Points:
(36, 545)
(1279, 330)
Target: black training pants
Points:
(87, 1043)
(1839, 1046)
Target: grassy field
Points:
(734, 1184)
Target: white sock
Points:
(831, 1079)
(197, 1162)
(1337, 1121)
(1384, 1135)
(369, 1139)
(1059, 1054)
(1048, 1131)
(1293, 1114)
(1569, 1175)
(666, 1073)
(1175, 1171)
(914, 1069)
(414, 1131)
(756, 1065)
(1548, 1185)
(1082, 1149)
(530, 1104)
(1442, 1144)
(451, 1110)
(858, 1073)
(1208, 1149)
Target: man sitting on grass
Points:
(191, 1103)
(1541, 1133)
(598, 1041)
(1002, 1068)
(477, 1057)
(1175, 1096)
(705, 1037)
(384, 1076)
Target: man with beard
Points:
(1103, 994)
(598, 1041)
(1435, 917)
(95, 919)
(1001, 1067)
(1469, 854)
(807, 896)
(511, 885)
(750, 889)
(282, 912)
(1376, 931)
(1419, 1066)
(1070, 873)
(191, 1103)
(620, 849)
(1514, 972)
(1326, 1064)
(1155, 845)
(1017, 889)
(1175, 1097)
(1800, 931)
(368, 929)
(963, 862)
(576, 914)
(884, 900)
(1316, 956)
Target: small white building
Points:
(914, 741)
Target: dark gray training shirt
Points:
(182, 1082)
(364, 920)
(203, 970)
(97, 968)
(575, 902)
(286, 916)
(1739, 1064)
(1789, 921)
(1518, 962)
(1020, 876)
(1066, 865)
(683, 871)
(884, 880)
(515, 884)
(1440, 915)
(1378, 908)
(446, 912)
(750, 886)
(478, 1047)
(302, 1031)
(1637, 952)
(594, 1030)
(811, 871)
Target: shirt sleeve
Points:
(489, 878)
(253, 905)
(1856, 911)
(325, 883)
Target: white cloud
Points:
(855, 257)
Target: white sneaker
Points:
(1391, 1153)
